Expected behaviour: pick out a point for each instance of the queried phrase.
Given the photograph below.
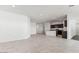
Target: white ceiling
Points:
(38, 13)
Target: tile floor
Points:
(40, 44)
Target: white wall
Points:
(72, 21)
(71, 27)
(33, 28)
(13, 27)
(40, 28)
(77, 27)
(47, 26)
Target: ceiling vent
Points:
(71, 5)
